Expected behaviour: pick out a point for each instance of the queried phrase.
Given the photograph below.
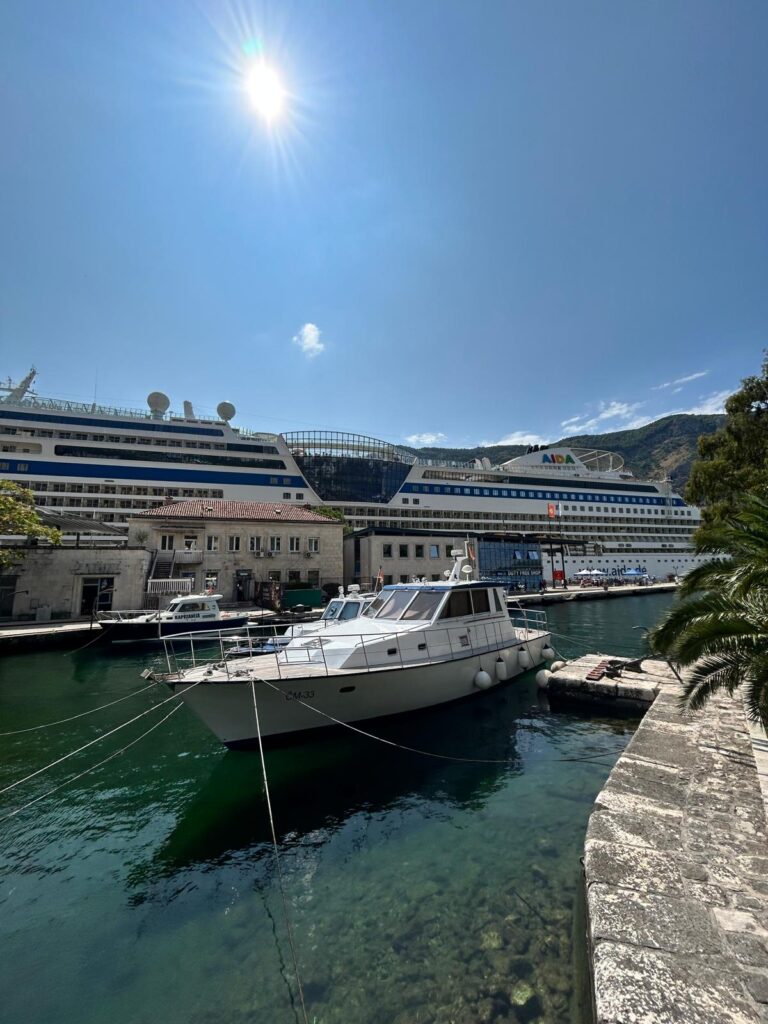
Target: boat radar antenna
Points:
(467, 555)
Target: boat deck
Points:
(271, 667)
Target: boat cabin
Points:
(347, 606)
(404, 602)
(193, 607)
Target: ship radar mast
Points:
(16, 392)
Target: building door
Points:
(166, 542)
(7, 594)
(97, 594)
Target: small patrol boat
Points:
(187, 613)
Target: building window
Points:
(387, 581)
(234, 543)
(299, 495)
(403, 551)
(286, 495)
(448, 550)
(294, 544)
(166, 542)
(418, 551)
(212, 581)
(211, 543)
(254, 543)
(313, 578)
(416, 501)
(274, 545)
(434, 550)
(403, 578)
(273, 575)
(386, 550)
(313, 545)
(294, 576)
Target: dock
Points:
(68, 634)
(600, 593)
(676, 857)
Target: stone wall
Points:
(676, 872)
(49, 581)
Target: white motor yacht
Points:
(417, 645)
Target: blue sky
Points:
(474, 222)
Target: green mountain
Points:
(665, 447)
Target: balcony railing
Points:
(191, 557)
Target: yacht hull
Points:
(314, 701)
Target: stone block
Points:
(651, 920)
(632, 868)
(630, 830)
(643, 986)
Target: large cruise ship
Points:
(584, 508)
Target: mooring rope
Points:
(103, 736)
(277, 857)
(411, 750)
(62, 721)
(93, 767)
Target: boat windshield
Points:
(333, 609)
(351, 610)
(424, 605)
(393, 604)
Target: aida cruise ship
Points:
(107, 463)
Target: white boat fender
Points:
(524, 658)
(547, 652)
(501, 670)
(557, 665)
(542, 678)
(482, 680)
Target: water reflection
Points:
(316, 787)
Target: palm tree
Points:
(720, 626)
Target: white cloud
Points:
(708, 405)
(607, 411)
(517, 437)
(425, 439)
(308, 340)
(681, 380)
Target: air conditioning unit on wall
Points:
(307, 554)
(258, 554)
(268, 554)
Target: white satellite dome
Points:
(226, 411)
(158, 403)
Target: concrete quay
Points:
(676, 865)
(17, 637)
(589, 593)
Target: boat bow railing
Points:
(237, 653)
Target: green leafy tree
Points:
(19, 518)
(733, 461)
(332, 513)
(719, 629)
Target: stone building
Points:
(73, 582)
(235, 547)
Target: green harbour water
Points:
(419, 889)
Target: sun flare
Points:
(265, 91)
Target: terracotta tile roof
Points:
(203, 508)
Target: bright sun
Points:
(266, 91)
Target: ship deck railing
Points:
(235, 654)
